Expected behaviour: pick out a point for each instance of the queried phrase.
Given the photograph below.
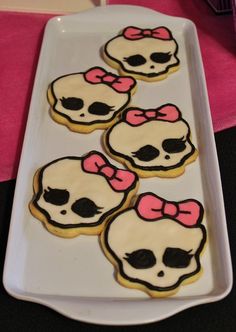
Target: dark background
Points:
(16, 315)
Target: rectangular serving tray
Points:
(72, 276)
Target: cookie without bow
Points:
(146, 54)
(89, 100)
(155, 245)
(76, 195)
(152, 142)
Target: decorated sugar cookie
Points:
(76, 195)
(155, 246)
(147, 54)
(89, 100)
(153, 142)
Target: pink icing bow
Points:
(152, 207)
(166, 113)
(119, 179)
(118, 83)
(136, 33)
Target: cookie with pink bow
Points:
(89, 100)
(152, 142)
(76, 195)
(155, 245)
(146, 54)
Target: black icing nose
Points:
(161, 274)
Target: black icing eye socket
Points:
(146, 153)
(141, 259)
(174, 145)
(85, 208)
(160, 57)
(72, 103)
(177, 258)
(56, 196)
(98, 108)
(135, 60)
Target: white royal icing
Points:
(76, 86)
(67, 174)
(128, 233)
(121, 48)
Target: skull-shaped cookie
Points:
(153, 142)
(75, 195)
(147, 54)
(156, 245)
(89, 100)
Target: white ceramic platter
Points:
(72, 276)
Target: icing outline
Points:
(88, 124)
(37, 195)
(121, 84)
(133, 33)
(129, 159)
(145, 283)
(174, 217)
(151, 75)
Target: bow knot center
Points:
(147, 32)
(151, 114)
(109, 78)
(170, 209)
(107, 171)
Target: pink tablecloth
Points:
(20, 39)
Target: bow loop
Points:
(134, 33)
(151, 208)
(98, 75)
(95, 75)
(118, 179)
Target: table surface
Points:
(16, 315)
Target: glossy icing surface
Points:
(146, 55)
(158, 253)
(90, 97)
(70, 190)
(154, 143)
